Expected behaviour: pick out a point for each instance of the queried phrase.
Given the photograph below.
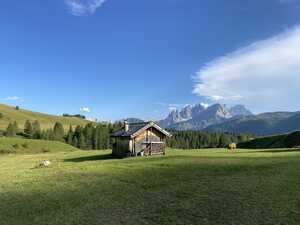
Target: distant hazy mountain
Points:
(239, 110)
(262, 124)
(133, 120)
(186, 114)
(198, 117)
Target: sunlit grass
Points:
(184, 187)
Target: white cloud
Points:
(92, 119)
(12, 98)
(204, 105)
(173, 107)
(85, 109)
(170, 106)
(286, 1)
(264, 73)
(83, 7)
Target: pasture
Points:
(208, 187)
(10, 114)
(29, 146)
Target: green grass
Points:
(204, 187)
(10, 114)
(27, 146)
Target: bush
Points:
(16, 146)
(25, 145)
(6, 151)
(1, 115)
(44, 150)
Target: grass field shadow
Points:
(280, 151)
(91, 158)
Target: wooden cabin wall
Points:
(138, 142)
(155, 136)
(150, 135)
(122, 147)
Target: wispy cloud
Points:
(286, 1)
(173, 107)
(85, 109)
(83, 7)
(12, 98)
(264, 73)
(170, 106)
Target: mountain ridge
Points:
(270, 123)
(235, 119)
(198, 117)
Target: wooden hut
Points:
(140, 139)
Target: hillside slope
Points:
(28, 146)
(10, 114)
(291, 140)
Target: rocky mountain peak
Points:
(187, 112)
(239, 110)
(191, 117)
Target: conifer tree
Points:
(81, 141)
(75, 142)
(28, 130)
(37, 132)
(10, 131)
(96, 138)
(58, 132)
(88, 134)
(70, 135)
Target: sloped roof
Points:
(136, 128)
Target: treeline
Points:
(97, 136)
(74, 115)
(92, 136)
(198, 140)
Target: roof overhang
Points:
(154, 125)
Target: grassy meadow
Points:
(10, 114)
(29, 146)
(205, 187)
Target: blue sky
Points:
(134, 58)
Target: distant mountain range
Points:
(262, 124)
(132, 120)
(199, 117)
(237, 119)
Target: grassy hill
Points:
(27, 146)
(209, 187)
(290, 140)
(10, 114)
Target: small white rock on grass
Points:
(45, 163)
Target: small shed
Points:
(140, 139)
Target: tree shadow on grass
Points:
(91, 158)
(279, 151)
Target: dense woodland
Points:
(198, 140)
(92, 136)
(97, 136)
